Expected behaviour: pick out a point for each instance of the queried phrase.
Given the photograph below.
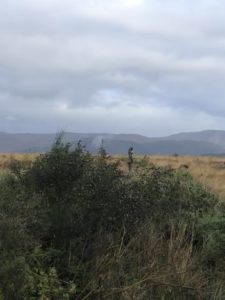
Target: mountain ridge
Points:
(207, 142)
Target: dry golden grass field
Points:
(6, 158)
(208, 170)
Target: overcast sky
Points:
(153, 67)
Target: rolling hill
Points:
(210, 142)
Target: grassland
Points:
(7, 158)
(208, 170)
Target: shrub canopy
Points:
(53, 211)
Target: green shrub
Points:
(211, 233)
(61, 217)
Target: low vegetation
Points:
(209, 170)
(74, 226)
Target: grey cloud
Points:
(111, 66)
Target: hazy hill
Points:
(165, 147)
(213, 136)
(193, 143)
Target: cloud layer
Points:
(145, 66)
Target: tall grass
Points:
(150, 266)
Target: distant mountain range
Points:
(209, 142)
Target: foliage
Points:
(74, 226)
(211, 232)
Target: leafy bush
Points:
(62, 218)
(211, 233)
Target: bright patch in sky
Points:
(133, 2)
